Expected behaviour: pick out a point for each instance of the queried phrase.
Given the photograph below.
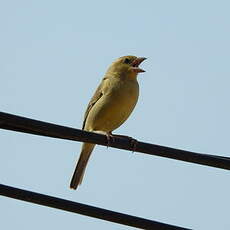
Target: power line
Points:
(27, 125)
(84, 209)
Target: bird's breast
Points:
(114, 107)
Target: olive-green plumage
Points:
(112, 103)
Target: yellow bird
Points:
(111, 104)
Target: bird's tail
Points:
(78, 174)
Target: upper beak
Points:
(136, 63)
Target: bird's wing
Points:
(97, 95)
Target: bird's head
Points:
(126, 67)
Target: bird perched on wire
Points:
(111, 104)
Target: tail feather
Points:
(81, 165)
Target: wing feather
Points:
(97, 95)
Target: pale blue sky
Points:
(54, 54)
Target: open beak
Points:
(135, 65)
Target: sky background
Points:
(53, 55)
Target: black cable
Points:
(26, 125)
(84, 209)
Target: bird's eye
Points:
(127, 61)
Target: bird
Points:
(110, 106)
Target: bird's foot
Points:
(133, 142)
(110, 138)
(108, 135)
